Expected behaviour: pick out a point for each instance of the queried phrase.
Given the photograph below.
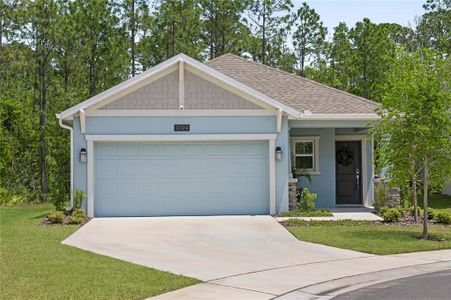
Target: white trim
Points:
(279, 120)
(271, 138)
(184, 137)
(316, 160)
(90, 179)
(356, 117)
(179, 113)
(364, 145)
(82, 121)
(351, 137)
(123, 88)
(181, 85)
(272, 177)
(162, 69)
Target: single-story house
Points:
(188, 138)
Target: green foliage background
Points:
(56, 53)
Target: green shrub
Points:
(73, 220)
(293, 222)
(56, 217)
(443, 217)
(78, 213)
(391, 215)
(432, 213)
(79, 196)
(77, 216)
(380, 196)
(382, 210)
(9, 198)
(307, 200)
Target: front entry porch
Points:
(333, 161)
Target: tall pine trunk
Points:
(414, 193)
(133, 33)
(425, 198)
(264, 34)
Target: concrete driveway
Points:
(207, 248)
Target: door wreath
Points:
(345, 155)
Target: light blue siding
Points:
(204, 178)
(165, 125)
(199, 125)
(324, 183)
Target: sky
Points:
(378, 11)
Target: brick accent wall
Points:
(163, 94)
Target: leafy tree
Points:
(102, 43)
(309, 35)
(434, 26)
(414, 132)
(372, 55)
(178, 28)
(224, 28)
(341, 57)
(267, 16)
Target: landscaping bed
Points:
(306, 213)
(35, 265)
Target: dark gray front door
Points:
(348, 162)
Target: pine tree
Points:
(309, 35)
(267, 17)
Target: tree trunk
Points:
(133, 33)
(414, 194)
(425, 199)
(42, 86)
(263, 54)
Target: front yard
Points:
(34, 265)
(376, 238)
(373, 238)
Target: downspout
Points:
(60, 121)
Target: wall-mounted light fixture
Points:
(278, 153)
(83, 155)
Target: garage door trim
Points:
(178, 138)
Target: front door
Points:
(348, 162)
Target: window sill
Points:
(311, 173)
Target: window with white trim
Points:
(305, 152)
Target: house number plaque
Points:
(181, 127)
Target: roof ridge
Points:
(222, 55)
(299, 77)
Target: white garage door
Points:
(181, 178)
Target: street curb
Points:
(333, 288)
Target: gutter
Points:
(307, 115)
(60, 121)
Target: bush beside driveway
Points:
(35, 265)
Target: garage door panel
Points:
(151, 179)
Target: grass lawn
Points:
(34, 265)
(373, 238)
(437, 201)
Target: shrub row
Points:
(57, 217)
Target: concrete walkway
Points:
(355, 216)
(323, 280)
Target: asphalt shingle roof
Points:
(292, 90)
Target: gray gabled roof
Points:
(294, 91)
